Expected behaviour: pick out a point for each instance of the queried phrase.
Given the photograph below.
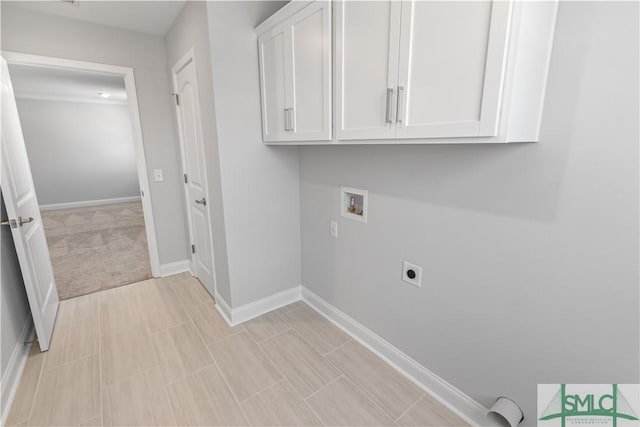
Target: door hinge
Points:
(186, 180)
(193, 249)
(177, 98)
(142, 193)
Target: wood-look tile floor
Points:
(158, 353)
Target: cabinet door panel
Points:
(451, 67)
(274, 70)
(311, 61)
(366, 45)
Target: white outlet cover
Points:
(158, 174)
(416, 281)
(334, 229)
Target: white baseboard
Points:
(87, 203)
(223, 308)
(13, 372)
(264, 305)
(236, 316)
(176, 267)
(454, 399)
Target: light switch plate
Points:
(158, 175)
(334, 229)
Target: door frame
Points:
(134, 115)
(190, 57)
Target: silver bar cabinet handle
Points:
(291, 121)
(398, 102)
(286, 124)
(389, 96)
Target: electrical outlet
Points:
(412, 274)
(158, 175)
(334, 229)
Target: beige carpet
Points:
(97, 248)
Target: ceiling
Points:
(37, 82)
(151, 17)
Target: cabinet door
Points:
(367, 36)
(274, 75)
(452, 57)
(311, 70)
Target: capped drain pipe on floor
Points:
(505, 412)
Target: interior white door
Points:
(274, 49)
(193, 163)
(367, 37)
(310, 32)
(452, 58)
(25, 220)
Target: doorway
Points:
(84, 142)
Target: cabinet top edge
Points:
(282, 14)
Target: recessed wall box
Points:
(354, 203)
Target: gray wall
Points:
(35, 33)
(14, 307)
(529, 252)
(260, 184)
(79, 151)
(190, 30)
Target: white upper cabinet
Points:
(419, 69)
(274, 76)
(367, 37)
(311, 54)
(405, 71)
(451, 68)
(295, 73)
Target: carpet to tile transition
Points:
(96, 248)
